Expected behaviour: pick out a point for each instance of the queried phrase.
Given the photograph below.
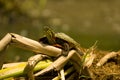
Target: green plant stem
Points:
(19, 69)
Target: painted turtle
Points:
(60, 40)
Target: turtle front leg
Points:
(66, 49)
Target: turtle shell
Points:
(67, 39)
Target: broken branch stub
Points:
(5, 41)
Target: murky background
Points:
(87, 21)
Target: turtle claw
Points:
(65, 49)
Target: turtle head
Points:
(50, 34)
